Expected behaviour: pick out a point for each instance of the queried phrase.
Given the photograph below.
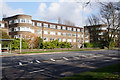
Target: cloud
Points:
(71, 11)
(8, 11)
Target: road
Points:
(55, 65)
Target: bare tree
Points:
(93, 20)
(110, 17)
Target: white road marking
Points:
(76, 57)
(36, 71)
(65, 58)
(52, 59)
(20, 63)
(31, 62)
(38, 61)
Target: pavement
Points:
(55, 65)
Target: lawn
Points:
(111, 72)
(59, 51)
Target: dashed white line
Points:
(36, 71)
(65, 58)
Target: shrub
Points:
(15, 44)
(88, 45)
(4, 36)
(112, 44)
(56, 44)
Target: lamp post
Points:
(82, 24)
(20, 42)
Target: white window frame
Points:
(78, 30)
(74, 29)
(52, 26)
(33, 23)
(69, 28)
(69, 40)
(39, 24)
(64, 34)
(39, 32)
(74, 40)
(63, 27)
(45, 25)
(58, 33)
(52, 33)
(63, 40)
(45, 32)
(58, 27)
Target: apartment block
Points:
(98, 33)
(4, 26)
(30, 29)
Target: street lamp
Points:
(20, 42)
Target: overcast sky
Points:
(51, 11)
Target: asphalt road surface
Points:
(55, 65)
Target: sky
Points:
(51, 11)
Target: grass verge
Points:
(59, 51)
(111, 72)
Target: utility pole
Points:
(20, 42)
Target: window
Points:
(45, 32)
(63, 27)
(74, 35)
(82, 35)
(86, 36)
(64, 40)
(33, 23)
(78, 30)
(45, 39)
(78, 40)
(16, 36)
(74, 29)
(69, 40)
(78, 35)
(10, 22)
(10, 30)
(59, 39)
(86, 31)
(38, 31)
(101, 33)
(22, 28)
(64, 34)
(52, 33)
(69, 28)
(58, 27)
(45, 25)
(17, 29)
(16, 21)
(39, 24)
(22, 20)
(81, 30)
(52, 26)
(59, 33)
(74, 40)
(2, 25)
(69, 34)
(52, 38)
(29, 21)
(86, 41)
